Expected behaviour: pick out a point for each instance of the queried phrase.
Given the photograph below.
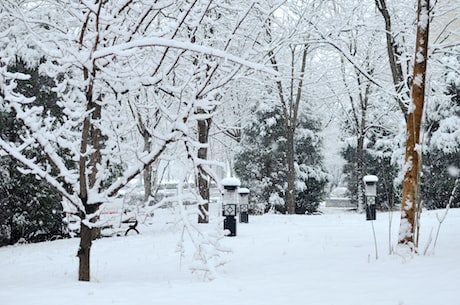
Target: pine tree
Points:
(311, 175)
(442, 151)
(261, 161)
(30, 211)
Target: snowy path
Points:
(327, 259)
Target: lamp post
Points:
(230, 204)
(370, 187)
(244, 204)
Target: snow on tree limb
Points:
(127, 48)
(36, 170)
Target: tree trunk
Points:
(95, 161)
(86, 239)
(408, 224)
(85, 233)
(291, 171)
(90, 134)
(360, 171)
(290, 115)
(148, 168)
(202, 179)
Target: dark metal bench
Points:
(132, 225)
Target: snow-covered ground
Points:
(325, 259)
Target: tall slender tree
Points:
(289, 58)
(410, 195)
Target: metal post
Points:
(244, 205)
(370, 208)
(370, 186)
(230, 204)
(229, 213)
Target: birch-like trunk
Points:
(408, 225)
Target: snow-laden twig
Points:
(446, 211)
(207, 256)
(430, 239)
(390, 221)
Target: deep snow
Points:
(276, 259)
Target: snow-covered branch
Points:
(129, 47)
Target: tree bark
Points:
(90, 135)
(87, 235)
(291, 170)
(148, 168)
(408, 224)
(86, 240)
(202, 179)
(291, 112)
(360, 169)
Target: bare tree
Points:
(289, 51)
(290, 103)
(104, 56)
